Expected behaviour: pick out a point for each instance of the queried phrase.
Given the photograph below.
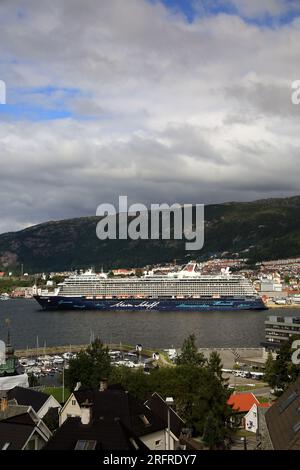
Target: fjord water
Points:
(150, 328)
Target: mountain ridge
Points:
(267, 229)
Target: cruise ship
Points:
(185, 290)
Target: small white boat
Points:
(4, 297)
(130, 364)
(44, 358)
(23, 361)
(114, 353)
(33, 370)
(68, 355)
(31, 362)
(58, 360)
(129, 354)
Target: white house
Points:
(40, 402)
(251, 420)
(21, 428)
(149, 425)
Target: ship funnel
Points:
(190, 267)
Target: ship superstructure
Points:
(186, 289)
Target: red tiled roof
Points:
(264, 405)
(242, 402)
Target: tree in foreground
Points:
(213, 433)
(89, 367)
(189, 353)
(270, 375)
(281, 371)
(196, 385)
(215, 365)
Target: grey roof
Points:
(159, 407)
(283, 419)
(28, 396)
(106, 434)
(117, 403)
(15, 431)
(118, 421)
(13, 410)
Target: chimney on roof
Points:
(86, 412)
(4, 404)
(103, 385)
(77, 386)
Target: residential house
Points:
(279, 426)
(21, 428)
(159, 407)
(40, 402)
(251, 418)
(87, 433)
(241, 404)
(98, 414)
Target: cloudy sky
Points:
(162, 100)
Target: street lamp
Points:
(169, 403)
(244, 440)
(63, 384)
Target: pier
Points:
(59, 350)
(228, 355)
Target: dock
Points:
(76, 348)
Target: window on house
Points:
(283, 406)
(31, 444)
(73, 402)
(86, 445)
(157, 443)
(296, 427)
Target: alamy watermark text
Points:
(137, 222)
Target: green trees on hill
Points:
(230, 227)
(8, 285)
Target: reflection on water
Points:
(155, 329)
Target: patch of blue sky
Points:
(40, 103)
(194, 9)
(27, 112)
(50, 90)
(46, 103)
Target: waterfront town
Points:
(136, 409)
(149, 232)
(278, 281)
(56, 398)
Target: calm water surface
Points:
(153, 329)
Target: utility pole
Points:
(63, 387)
(169, 403)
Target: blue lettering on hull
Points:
(81, 303)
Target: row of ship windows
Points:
(143, 286)
(160, 287)
(274, 327)
(120, 282)
(171, 291)
(273, 333)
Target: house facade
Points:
(39, 401)
(21, 428)
(251, 418)
(149, 426)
